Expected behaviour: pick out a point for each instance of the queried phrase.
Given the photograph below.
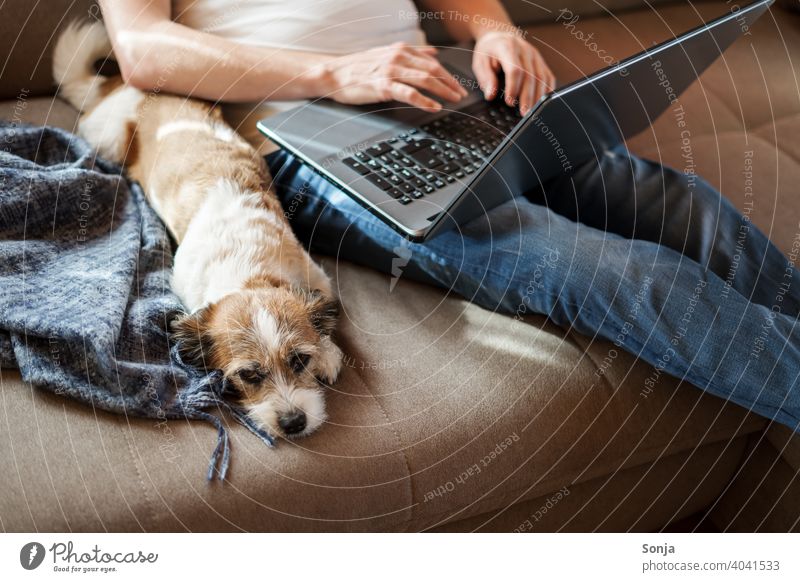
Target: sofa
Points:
(448, 417)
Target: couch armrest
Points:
(28, 33)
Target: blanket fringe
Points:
(210, 392)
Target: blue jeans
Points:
(622, 248)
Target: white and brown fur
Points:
(260, 309)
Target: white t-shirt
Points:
(323, 26)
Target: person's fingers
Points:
(407, 94)
(550, 80)
(444, 84)
(434, 68)
(425, 50)
(485, 75)
(545, 79)
(528, 91)
(401, 49)
(536, 82)
(548, 85)
(423, 80)
(513, 71)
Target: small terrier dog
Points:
(260, 309)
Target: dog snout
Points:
(293, 423)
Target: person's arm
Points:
(155, 53)
(499, 45)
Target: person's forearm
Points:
(167, 56)
(471, 19)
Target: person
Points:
(621, 248)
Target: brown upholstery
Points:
(28, 32)
(434, 387)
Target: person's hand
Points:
(395, 72)
(527, 76)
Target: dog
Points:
(260, 309)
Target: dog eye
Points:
(250, 376)
(298, 362)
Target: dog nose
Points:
(293, 422)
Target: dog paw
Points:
(329, 361)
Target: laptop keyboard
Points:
(425, 159)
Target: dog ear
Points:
(190, 332)
(323, 311)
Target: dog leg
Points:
(111, 125)
(329, 361)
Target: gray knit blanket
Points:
(85, 301)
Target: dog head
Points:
(273, 345)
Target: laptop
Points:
(424, 173)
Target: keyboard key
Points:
(416, 194)
(396, 193)
(433, 162)
(379, 149)
(354, 164)
(416, 145)
(439, 184)
(404, 200)
(422, 157)
(379, 182)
